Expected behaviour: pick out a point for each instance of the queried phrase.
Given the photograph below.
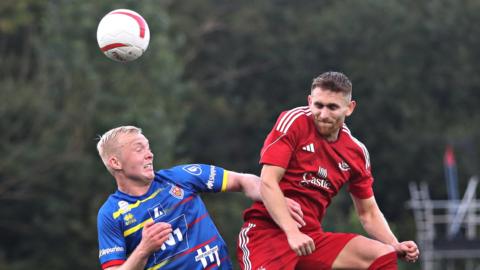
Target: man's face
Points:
(329, 110)
(135, 159)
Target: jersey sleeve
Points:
(112, 249)
(199, 177)
(281, 141)
(362, 180)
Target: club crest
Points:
(176, 192)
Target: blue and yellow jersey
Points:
(173, 197)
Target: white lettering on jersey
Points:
(210, 253)
(310, 180)
(107, 251)
(211, 177)
(157, 213)
(176, 234)
(177, 241)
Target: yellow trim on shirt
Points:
(160, 265)
(225, 181)
(136, 228)
(131, 206)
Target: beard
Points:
(328, 128)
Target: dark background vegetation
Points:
(210, 86)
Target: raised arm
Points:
(250, 185)
(376, 226)
(244, 182)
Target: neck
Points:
(330, 137)
(133, 187)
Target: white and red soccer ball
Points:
(123, 35)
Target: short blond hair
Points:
(108, 142)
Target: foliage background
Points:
(209, 88)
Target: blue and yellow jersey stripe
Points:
(117, 213)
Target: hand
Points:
(301, 243)
(154, 235)
(295, 212)
(407, 251)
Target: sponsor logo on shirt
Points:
(107, 251)
(211, 177)
(210, 255)
(343, 166)
(317, 181)
(156, 212)
(310, 180)
(129, 219)
(193, 169)
(176, 192)
(124, 206)
(309, 148)
(177, 241)
(322, 172)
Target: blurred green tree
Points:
(412, 65)
(58, 94)
(214, 79)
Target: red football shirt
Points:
(315, 168)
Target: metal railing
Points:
(446, 229)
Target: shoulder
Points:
(182, 171)
(188, 173)
(356, 146)
(108, 208)
(293, 119)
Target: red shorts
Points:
(263, 246)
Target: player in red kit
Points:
(308, 156)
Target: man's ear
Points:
(114, 163)
(351, 107)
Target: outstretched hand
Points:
(407, 251)
(295, 211)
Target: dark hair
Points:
(333, 81)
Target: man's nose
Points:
(324, 113)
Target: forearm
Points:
(274, 201)
(136, 261)
(250, 185)
(377, 227)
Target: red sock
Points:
(385, 262)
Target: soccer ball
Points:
(123, 35)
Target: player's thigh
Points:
(360, 252)
(327, 247)
(262, 246)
